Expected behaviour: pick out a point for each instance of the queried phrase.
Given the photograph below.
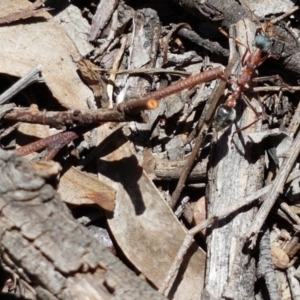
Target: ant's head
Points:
(263, 43)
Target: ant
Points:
(226, 114)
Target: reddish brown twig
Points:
(133, 107)
(53, 143)
(72, 118)
(186, 83)
(149, 101)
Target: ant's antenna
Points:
(243, 2)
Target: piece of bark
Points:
(102, 16)
(143, 50)
(236, 171)
(228, 12)
(265, 265)
(43, 245)
(170, 170)
(91, 75)
(143, 53)
(76, 27)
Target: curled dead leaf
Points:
(279, 257)
(91, 75)
(46, 169)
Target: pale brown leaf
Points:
(143, 224)
(77, 187)
(279, 257)
(25, 46)
(200, 211)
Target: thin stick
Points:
(187, 242)
(286, 208)
(116, 65)
(34, 75)
(56, 139)
(133, 107)
(145, 71)
(277, 189)
(275, 89)
(292, 10)
(72, 118)
(54, 143)
(187, 83)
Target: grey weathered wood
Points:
(44, 246)
(170, 170)
(229, 12)
(266, 266)
(236, 171)
(276, 190)
(143, 54)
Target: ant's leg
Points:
(259, 116)
(231, 37)
(263, 59)
(243, 128)
(248, 103)
(244, 57)
(237, 42)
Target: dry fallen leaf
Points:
(46, 169)
(77, 188)
(143, 224)
(200, 211)
(23, 46)
(279, 257)
(90, 74)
